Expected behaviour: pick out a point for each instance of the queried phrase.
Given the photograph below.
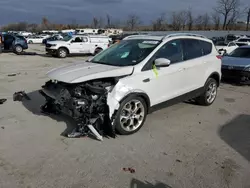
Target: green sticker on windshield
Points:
(155, 71)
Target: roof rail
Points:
(183, 34)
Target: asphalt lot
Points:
(181, 146)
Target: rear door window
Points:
(192, 49)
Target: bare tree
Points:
(227, 8)
(101, 22)
(248, 19)
(45, 23)
(133, 22)
(160, 23)
(108, 21)
(179, 20)
(199, 22)
(95, 22)
(232, 19)
(190, 20)
(205, 21)
(216, 20)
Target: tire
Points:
(98, 50)
(210, 92)
(18, 49)
(30, 42)
(62, 53)
(126, 115)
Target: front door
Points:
(164, 83)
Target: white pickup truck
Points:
(78, 44)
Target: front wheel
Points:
(62, 53)
(30, 42)
(210, 92)
(131, 115)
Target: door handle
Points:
(146, 80)
(180, 69)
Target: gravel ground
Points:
(181, 146)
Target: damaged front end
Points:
(85, 102)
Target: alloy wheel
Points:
(211, 92)
(132, 115)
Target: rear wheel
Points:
(210, 92)
(18, 49)
(131, 115)
(30, 42)
(62, 53)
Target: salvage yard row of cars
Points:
(114, 90)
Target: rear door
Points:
(197, 59)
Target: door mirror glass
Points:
(162, 62)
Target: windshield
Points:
(241, 52)
(66, 38)
(127, 52)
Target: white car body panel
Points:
(81, 72)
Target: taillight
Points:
(219, 56)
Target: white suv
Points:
(118, 88)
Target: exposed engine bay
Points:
(86, 103)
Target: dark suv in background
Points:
(14, 42)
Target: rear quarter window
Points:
(206, 47)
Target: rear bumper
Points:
(239, 76)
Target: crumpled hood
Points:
(235, 62)
(84, 71)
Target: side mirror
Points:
(162, 62)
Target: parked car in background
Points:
(36, 39)
(78, 44)
(227, 49)
(236, 65)
(242, 41)
(118, 38)
(13, 42)
(132, 78)
(52, 38)
(230, 38)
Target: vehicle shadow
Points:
(139, 184)
(34, 104)
(234, 82)
(236, 134)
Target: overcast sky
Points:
(82, 11)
